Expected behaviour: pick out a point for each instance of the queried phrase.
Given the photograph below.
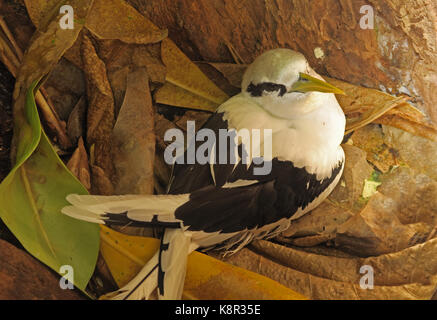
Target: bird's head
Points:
(284, 84)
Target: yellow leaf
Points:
(183, 73)
(207, 278)
(370, 188)
(125, 255)
(178, 97)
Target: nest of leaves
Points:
(90, 102)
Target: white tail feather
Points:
(171, 260)
(139, 207)
(82, 214)
(174, 263)
(142, 286)
(119, 204)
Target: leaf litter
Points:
(382, 213)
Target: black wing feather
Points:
(275, 196)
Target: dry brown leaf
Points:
(372, 114)
(377, 106)
(73, 54)
(149, 56)
(417, 152)
(323, 220)
(414, 193)
(76, 120)
(404, 263)
(161, 126)
(346, 269)
(78, 165)
(183, 73)
(321, 288)
(100, 116)
(65, 85)
(120, 58)
(371, 139)
(308, 241)
(115, 19)
(377, 229)
(133, 138)
(37, 9)
(55, 125)
(118, 79)
(359, 99)
(427, 131)
(232, 72)
(100, 181)
(199, 118)
(348, 191)
(218, 78)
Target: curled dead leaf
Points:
(324, 277)
(364, 105)
(100, 116)
(78, 165)
(76, 120)
(377, 229)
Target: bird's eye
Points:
(257, 90)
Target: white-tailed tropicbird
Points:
(225, 206)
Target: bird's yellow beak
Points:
(307, 83)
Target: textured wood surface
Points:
(24, 278)
(398, 55)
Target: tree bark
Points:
(24, 278)
(398, 55)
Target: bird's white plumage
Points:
(311, 140)
(174, 262)
(139, 207)
(142, 285)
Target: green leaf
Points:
(32, 195)
(31, 198)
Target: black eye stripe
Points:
(256, 90)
